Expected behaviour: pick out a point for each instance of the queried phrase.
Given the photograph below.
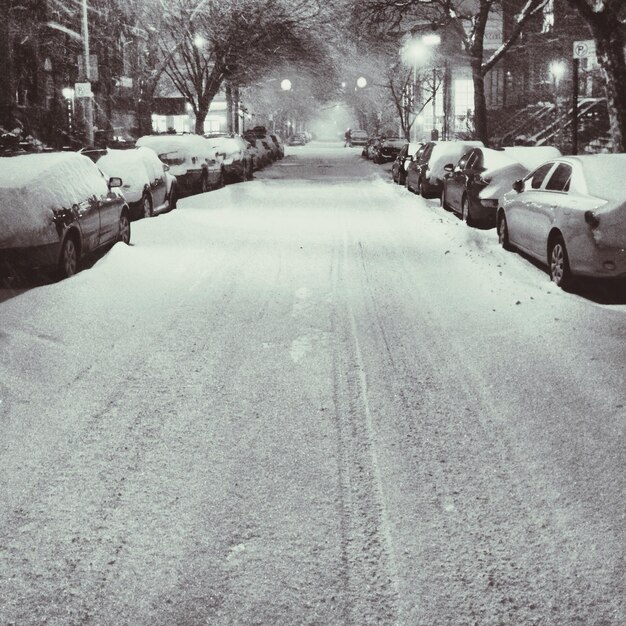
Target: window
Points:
(539, 175)
(559, 181)
(463, 97)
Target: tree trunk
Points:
(610, 42)
(201, 114)
(7, 87)
(481, 128)
(230, 126)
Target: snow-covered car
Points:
(280, 146)
(297, 139)
(402, 160)
(190, 158)
(475, 185)
(263, 154)
(570, 213)
(359, 137)
(233, 152)
(425, 173)
(55, 208)
(149, 187)
(387, 149)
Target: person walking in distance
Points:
(348, 138)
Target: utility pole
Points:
(88, 101)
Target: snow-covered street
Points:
(313, 398)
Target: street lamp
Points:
(361, 82)
(285, 84)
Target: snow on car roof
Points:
(33, 185)
(445, 152)
(496, 159)
(532, 156)
(177, 143)
(129, 165)
(605, 175)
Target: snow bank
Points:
(33, 185)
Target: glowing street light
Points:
(199, 41)
(361, 82)
(285, 84)
(557, 69)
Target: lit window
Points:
(463, 97)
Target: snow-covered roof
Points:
(33, 185)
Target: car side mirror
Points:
(518, 186)
(115, 181)
(448, 167)
(166, 167)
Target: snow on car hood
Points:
(187, 147)
(501, 180)
(32, 186)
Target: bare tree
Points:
(607, 21)
(466, 22)
(207, 42)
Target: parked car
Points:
(148, 186)
(261, 155)
(386, 149)
(359, 137)
(370, 147)
(402, 160)
(570, 213)
(191, 159)
(475, 185)
(297, 139)
(280, 152)
(425, 173)
(232, 151)
(55, 208)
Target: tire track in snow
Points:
(368, 573)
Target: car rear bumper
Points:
(33, 257)
(599, 262)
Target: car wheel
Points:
(124, 228)
(173, 200)
(560, 272)
(503, 232)
(422, 189)
(146, 204)
(68, 262)
(466, 214)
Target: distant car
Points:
(425, 174)
(279, 145)
(570, 213)
(232, 151)
(297, 139)
(191, 159)
(148, 186)
(55, 208)
(370, 147)
(261, 155)
(402, 160)
(359, 137)
(386, 149)
(475, 185)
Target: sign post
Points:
(582, 50)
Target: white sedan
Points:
(570, 213)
